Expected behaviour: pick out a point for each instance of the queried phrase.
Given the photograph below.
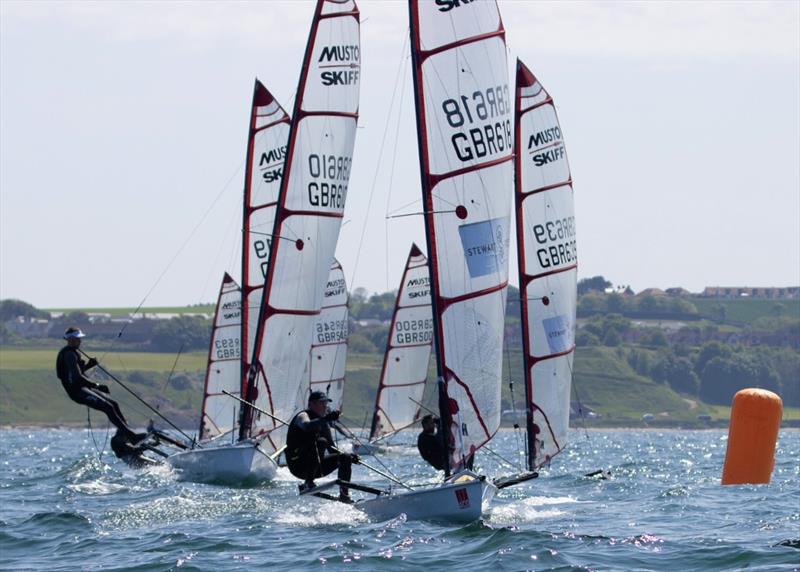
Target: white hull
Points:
(462, 498)
(237, 463)
(366, 448)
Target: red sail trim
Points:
(408, 345)
(409, 384)
(534, 360)
(284, 119)
(548, 100)
(436, 179)
(287, 213)
(330, 343)
(425, 54)
(447, 302)
(304, 114)
(475, 408)
(531, 277)
(526, 194)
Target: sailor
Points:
(70, 369)
(428, 443)
(310, 453)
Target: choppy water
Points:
(63, 509)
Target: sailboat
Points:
(548, 267)
(307, 218)
(465, 139)
(329, 346)
(408, 351)
(241, 459)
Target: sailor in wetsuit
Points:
(428, 443)
(70, 369)
(310, 453)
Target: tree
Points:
(360, 344)
(189, 332)
(594, 284)
(655, 337)
(723, 377)
(678, 373)
(708, 352)
(11, 308)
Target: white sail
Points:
(266, 152)
(464, 115)
(547, 266)
(408, 351)
(219, 413)
(308, 217)
(329, 346)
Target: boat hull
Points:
(462, 498)
(240, 463)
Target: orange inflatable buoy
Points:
(755, 421)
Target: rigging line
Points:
(358, 441)
(231, 226)
(273, 236)
(377, 166)
(388, 212)
(169, 377)
(180, 250)
(420, 213)
(578, 399)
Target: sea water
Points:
(67, 504)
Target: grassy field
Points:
(746, 309)
(603, 383)
(122, 312)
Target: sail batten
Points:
(547, 267)
(308, 216)
(465, 138)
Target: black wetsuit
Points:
(309, 449)
(70, 368)
(430, 448)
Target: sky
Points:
(123, 134)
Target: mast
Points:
(218, 414)
(308, 217)
(329, 346)
(463, 108)
(266, 151)
(548, 265)
(408, 350)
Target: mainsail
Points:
(266, 151)
(465, 136)
(308, 217)
(408, 351)
(219, 413)
(329, 346)
(547, 267)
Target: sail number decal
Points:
(413, 331)
(557, 242)
(329, 176)
(483, 123)
(261, 248)
(331, 331)
(227, 348)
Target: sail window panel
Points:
(338, 6)
(416, 290)
(551, 313)
(543, 154)
(223, 375)
(407, 365)
(548, 220)
(447, 21)
(334, 70)
(328, 362)
(269, 152)
(221, 413)
(259, 236)
(321, 166)
(531, 95)
(468, 106)
(398, 406)
(473, 342)
(551, 386)
(270, 113)
(302, 267)
(475, 247)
